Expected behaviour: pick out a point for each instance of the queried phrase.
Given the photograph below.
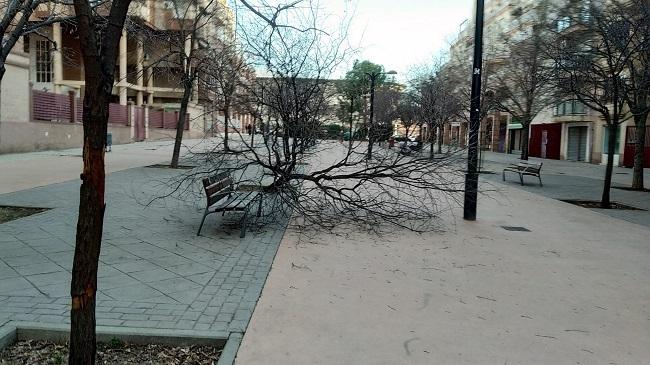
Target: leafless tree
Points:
(100, 30)
(323, 183)
(591, 57)
(227, 75)
(190, 44)
(521, 82)
(407, 112)
(637, 95)
(388, 98)
(437, 102)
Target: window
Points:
(43, 61)
(606, 139)
(563, 23)
(571, 107)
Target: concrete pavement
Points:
(571, 290)
(154, 272)
(28, 170)
(567, 180)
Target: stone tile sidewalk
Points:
(154, 271)
(573, 180)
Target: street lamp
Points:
(373, 78)
(471, 177)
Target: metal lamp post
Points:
(373, 78)
(471, 177)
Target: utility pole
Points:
(471, 177)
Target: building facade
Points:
(564, 130)
(43, 88)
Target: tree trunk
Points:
(253, 132)
(524, 141)
(611, 149)
(350, 139)
(639, 151)
(441, 137)
(226, 122)
(99, 52)
(180, 125)
(2, 75)
(90, 223)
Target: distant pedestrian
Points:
(249, 129)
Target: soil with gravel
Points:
(9, 213)
(113, 353)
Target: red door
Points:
(544, 140)
(630, 147)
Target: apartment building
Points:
(46, 75)
(564, 130)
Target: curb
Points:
(229, 352)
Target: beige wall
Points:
(37, 136)
(15, 89)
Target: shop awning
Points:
(515, 126)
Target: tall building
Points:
(566, 129)
(46, 73)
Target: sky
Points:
(401, 33)
(397, 34)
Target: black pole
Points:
(471, 178)
(373, 76)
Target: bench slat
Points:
(218, 186)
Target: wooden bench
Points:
(223, 197)
(525, 168)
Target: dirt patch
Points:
(10, 213)
(592, 204)
(115, 352)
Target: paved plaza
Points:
(572, 289)
(572, 180)
(154, 271)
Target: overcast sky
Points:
(401, 33)
(397, 34)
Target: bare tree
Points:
(388, 99)
(226, 76)
(637, 96)
(189, 45)
(437, 102)
(591, 59)
(522, 82)
(407, 111)
(99, 36)
(324, 183)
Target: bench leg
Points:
(205, 214)
(242, 230)
(504, 176)
(521, 178)
(540, 180)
